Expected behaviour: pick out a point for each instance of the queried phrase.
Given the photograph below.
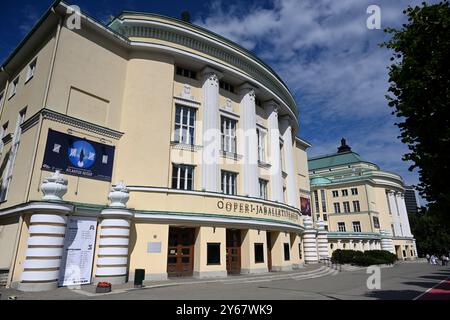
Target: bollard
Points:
(139, 276)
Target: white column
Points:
(415, 249)
(250, 142)
(309, 241)
(211, 131)
(275, 153)
(386, 241)
(403, 215)
(395, 213)
(289, 161)
(46, 238)
(322, 239)
(339, 244)
(112, 258)
(361, 245)
(350, 244)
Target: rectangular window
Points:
(263, 188)
(287, 252)
(393, 230)
(213, 253)
(226, 86)
(356, 207)
(284, 194)
(300, 251)
(4, 130)
(324, 201)
(13, 88)
(259, 253)
(316, 201)
(228, 130)
(184, 125)
(186, 73)
(229, 182)
(337, 207)
(341, 226)
(182, 177)
(346, 205)
(31, 70)
(7, 176)
(335, 193)
(325, 217)
(354, 191)
(356, 226)
(344, 192)
(2, 95)
(376, 223)
(261, 145)
(326, 227)
(317, 217)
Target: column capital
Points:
(247, 88)
(211, 74)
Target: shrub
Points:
(365, 258)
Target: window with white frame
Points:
(261, 134)
(182, 177)
(263, 188)
(184, 124)
(344, 192)
(7, 174)
(31, 70)
(229, 180)
(346, 205)
(316, 201)
(376, 222)
(228, 130)
(341, 226)
(356, 207)
(13, 87)
(324, 200)
(335, 193)
(354, 191)
(337, 207)
(356, 226)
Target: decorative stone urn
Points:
(119, 195)
(54, 187)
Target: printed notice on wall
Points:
(79, 244)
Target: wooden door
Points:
(233, 251)
(180, 256)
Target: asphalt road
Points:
(404, 281)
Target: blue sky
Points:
(322, 49)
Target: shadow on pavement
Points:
(393, 294)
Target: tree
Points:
(419, 93)
(430, 232)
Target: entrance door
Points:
(269, 251)
(180, 257)
(233, 251)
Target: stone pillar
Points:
(249, 238)
(46, 237)
(288, 156)
(361, 246)
(204, 235)
(339, 244)
(322, 239)
(386, 241)
(416, 254)
(112, 261)
(350, 244)
(250, 141)
(310, 241)
(403, 215)
(395, 213)
(211, 131)
(275, 153)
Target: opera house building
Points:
(152, 143)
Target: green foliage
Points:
(419, 94)
(366, 258)
(432, 236)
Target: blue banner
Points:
(78, 156)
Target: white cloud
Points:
(333, 65)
